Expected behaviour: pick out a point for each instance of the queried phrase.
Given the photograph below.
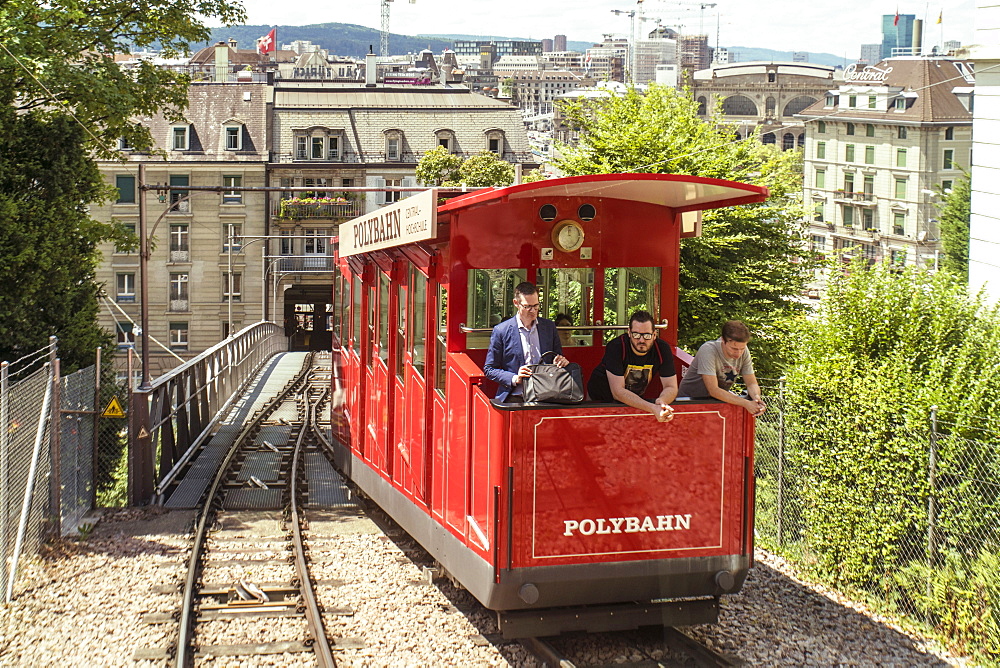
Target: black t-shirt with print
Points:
(638, 370)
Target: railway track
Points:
(248, 590)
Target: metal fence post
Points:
(931, 510)
(97, 430)
(781, 461)
(55, 454)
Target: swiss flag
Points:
(266, 43)
(895, 21)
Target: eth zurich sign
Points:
(409, 220)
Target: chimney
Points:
(445, 74)
(221, 62)
(370, 68)
(232, 43)
(918, 36)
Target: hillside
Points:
(341, 39)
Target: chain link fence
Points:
(942, 555)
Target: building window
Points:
(899, 223)
(946, 187)
(126, 189)
(849, 183)
(821, 149)
(949, 133)
(126, 337)
(871, 101)
(818, 242)
(900, 188)
(287, 243)
(869, 130)
(179, 199)
(180, 137)
(392, 148)
(393, 195)
(179, 335)
(237, 290)
(850, 128)
(234, 137)
(852, 101)
(317, 148)
(901, 157)
(333, 148)
(897, 257)
(818, 214)
(232, 196)
(868, 219)
(821, 127)
(869, 187)
(125, 287)
(820, 178)
(901, 132)
(124, 144)
(849, 153)
(300, 148)
(869, 155)
(232, 237)
(347, 183)
(494, 141)
(848, 216)
(179, 238)
(178, 287)
(831, 100)
(949, 159)
(321, 184)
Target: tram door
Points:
(380, 398)
(411, 387)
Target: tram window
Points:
(418, 319)
(370, 339)
(569, 292)
(383, 319)
(441, 346)
(345, 299)
(491, 300)
(628, 289)
(356, 339)
(400, 328)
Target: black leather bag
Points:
(551, 384)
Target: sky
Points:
(788, 25)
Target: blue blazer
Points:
(506, 355)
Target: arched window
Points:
(788, 142)
(768, 138)
(797, 104)
(446, 139)
(739, 105)
(802, 140)
(769, 106)
(702, 106)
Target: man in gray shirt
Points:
(716, 367)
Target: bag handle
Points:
(549, 352)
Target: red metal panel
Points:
(456, 450)
(440, 436)
(610, 484)
(487, 461)
(411, 437)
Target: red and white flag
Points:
(895, 21)
(266, 43)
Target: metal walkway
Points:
(269, 382)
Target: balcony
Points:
(318, 207)
(302, 264)
(859, 199)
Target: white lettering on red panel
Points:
(589, 527)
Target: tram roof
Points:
(677, 191)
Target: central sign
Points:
(869, 74)
(409, 220)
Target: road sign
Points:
(114, 409)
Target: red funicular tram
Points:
(591, 516)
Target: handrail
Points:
(571, 328)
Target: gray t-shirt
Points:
(710, 360)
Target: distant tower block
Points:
(560, 43)
(546, 45)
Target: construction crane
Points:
(633, 14)
(384, 45)
(700, 5)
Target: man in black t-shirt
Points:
(629, 364)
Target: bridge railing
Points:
(181, 408)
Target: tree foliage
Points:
(63, 99)
(747, 263)
(886, 347)
(954, 221)
(440, 167)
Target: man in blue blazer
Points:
(519, 342)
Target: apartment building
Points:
(879, 149)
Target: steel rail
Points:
(184, 632)
(546, 653)
(465, 329)
(321, 644)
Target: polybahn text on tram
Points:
(589, 516)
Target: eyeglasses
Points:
(645, 336)
(530, 307)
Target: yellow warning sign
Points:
(114, 409)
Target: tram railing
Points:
(180, 408)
